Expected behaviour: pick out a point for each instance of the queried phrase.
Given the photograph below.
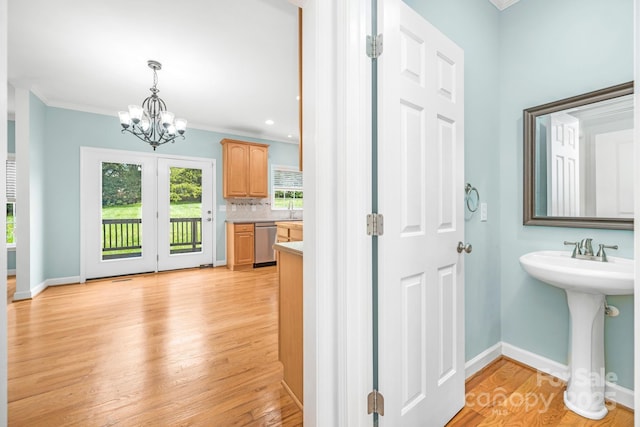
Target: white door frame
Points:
(636, 234)
(3, 181)
(337, 252)
(84, 218)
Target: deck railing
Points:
(186, 235)
(122, 238)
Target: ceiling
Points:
(228, 66)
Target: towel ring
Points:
(471, 205)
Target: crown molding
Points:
(227, 131)
(503, 4)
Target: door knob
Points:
(209, 219)
(462, 247)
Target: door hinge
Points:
(375, 224)
(375, 403)
(374, 46)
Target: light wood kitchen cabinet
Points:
(240, 246)
(289, 231)
(290, 334)
(245, 170)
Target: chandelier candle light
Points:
(151, 122)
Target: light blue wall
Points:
(68, 130)
(11, 260)
(38, 208)
(535, 51)
(473, 25)
(11, 136)
(551, 50)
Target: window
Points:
(286, 188)
(11, 200)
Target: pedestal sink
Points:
(586, 283)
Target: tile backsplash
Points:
(258, 209)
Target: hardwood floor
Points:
(199, 347)
(194, 347)
(509, 394)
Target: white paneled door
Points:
(564, 165)
(143, 212)
(421, 194)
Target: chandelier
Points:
(151, 122)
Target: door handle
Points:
(209, 219)
(462, 247)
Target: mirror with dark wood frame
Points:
(578, 161)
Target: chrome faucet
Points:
(584, 250)
(291, 209)
(585, 247)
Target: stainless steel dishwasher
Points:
(265, 237)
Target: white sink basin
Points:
(586, 283)
(557, 268)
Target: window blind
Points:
(287, 178)
(11, 180)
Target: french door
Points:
(144, 213)
(185, 227)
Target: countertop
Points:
(290, 247)
(254, 220)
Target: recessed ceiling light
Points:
(298, 98)
(289, 136)
(269, 122)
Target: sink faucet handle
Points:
(576, 248)
(585, 247)
(601, 248)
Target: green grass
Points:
(178, 210)
(122, 212)
(10, 226)
(284, 203)
(186, 210)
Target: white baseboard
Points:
(536, 361)
(11, 272)
(33, 292)
(614, 392)
(63, 281)
(482, 360)
(619, 394)
(220, 263)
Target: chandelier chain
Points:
(155, 81)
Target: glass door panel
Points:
(121, 235)
(185, 210)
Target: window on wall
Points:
(11, 201)
(286, 188)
